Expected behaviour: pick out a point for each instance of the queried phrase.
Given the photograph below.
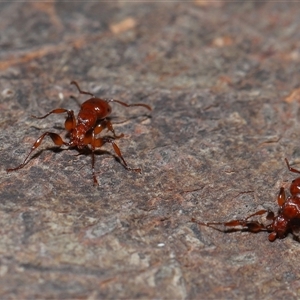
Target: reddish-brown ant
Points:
(286, 221)
(91, 120)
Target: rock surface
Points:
(223, 81)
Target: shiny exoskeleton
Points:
(92, 118)
(286, 221)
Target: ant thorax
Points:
(86, 119)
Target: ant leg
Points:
(80, 91)
(54, 111)
(101, 141)
(93, 168)
(281, 197)
(290, 168)
(57, 140)
(107, 124)
(70, 122)
(258, 213)
(89, 139)
(128, 105)
(97, 143)
(255, 226)
(118, 152)
(110, 128)
(251, 226)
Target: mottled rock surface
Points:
(223, 80)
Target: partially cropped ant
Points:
(287, 220)
(91, 120)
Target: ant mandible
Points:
(91, 120)
(286, 221)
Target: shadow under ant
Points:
(86, 152)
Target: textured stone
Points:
(223, 81)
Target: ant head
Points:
(295, 186)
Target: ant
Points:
(92, 118)
(286, 221)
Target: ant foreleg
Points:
(70, 122)
(57, 140)
(107, 124)
(129, 105)
(80, 91)
(54, 111)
